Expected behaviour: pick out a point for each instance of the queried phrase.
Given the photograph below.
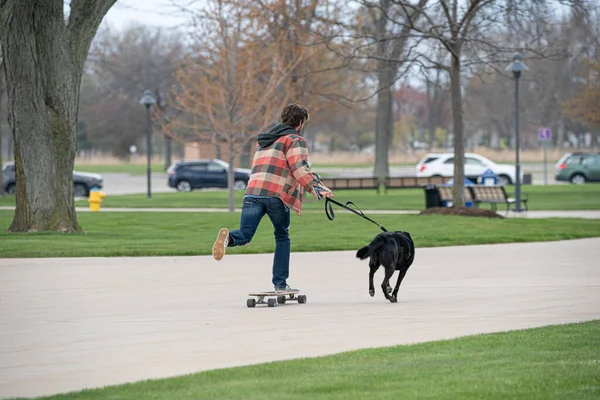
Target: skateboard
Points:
(276, 298)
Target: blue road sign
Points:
(545, 134)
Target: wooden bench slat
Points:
(494, 195)
(447, 193)
(351, 183)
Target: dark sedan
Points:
(186, 176)
(83, 182)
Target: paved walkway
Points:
(587, 214)
(68, 324)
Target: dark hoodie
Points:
(280, 130)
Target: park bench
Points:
(405, 182)
(447, 194)
(495, 195)
(401, 182)
(351, 183)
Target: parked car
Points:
(83, 182)
(567, 155)
(442, 164)
(578, 168)
(188, 175)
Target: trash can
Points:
(432, 196)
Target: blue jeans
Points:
(253, 210)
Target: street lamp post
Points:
(517, 67)
(148, 101)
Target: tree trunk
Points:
(168, 152)
(11, 148)
(384, 123)
(1, 149)
(231, 178)
(431, 105)
(43, 62)
(458, 127)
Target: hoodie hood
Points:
(280, 130)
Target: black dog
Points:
(393, 250)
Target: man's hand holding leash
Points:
(322, 191)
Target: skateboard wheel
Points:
(271, 302)
(302, 299)
(251, 302)
(281, 299)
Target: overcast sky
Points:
(147, 12)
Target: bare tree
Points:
(551, 82)
(120, 67)
(321, 79)
(379, 33)
(585, 106)
(43, 96)
(238, 85)
(463, 29)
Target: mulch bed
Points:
(462, 211)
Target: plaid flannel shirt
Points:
(281, 170)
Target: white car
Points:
(442, 164)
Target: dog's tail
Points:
(363, 252)
(366, 251)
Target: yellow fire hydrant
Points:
(95, 199)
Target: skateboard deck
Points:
(280, 298)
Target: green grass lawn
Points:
(554, 197)
(551, 197)
(151, 233)
(554, 362)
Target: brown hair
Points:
(293, 114)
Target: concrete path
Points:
(587, 214)
(68, 324)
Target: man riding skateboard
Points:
(280, 175)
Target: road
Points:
(536, 170)
(68, 324)
(117, 183)
(120, 183)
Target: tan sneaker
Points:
(220, 246)
(287, 288)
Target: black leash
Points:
(330, 214)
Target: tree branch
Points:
(84, 19)
(474, 8)
(451, 22)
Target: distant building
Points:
(202, 147)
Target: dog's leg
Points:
(401, 274)
(371, 284)
(374, 266)
(389, 271)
